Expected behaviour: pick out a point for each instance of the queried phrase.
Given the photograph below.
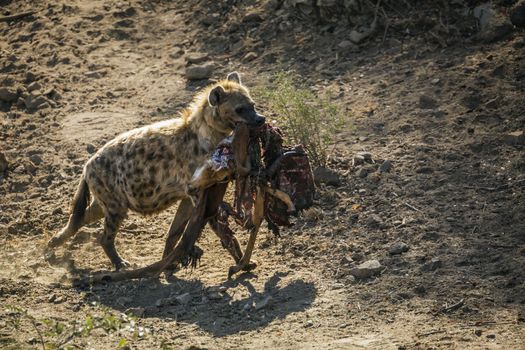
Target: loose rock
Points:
(362, 173)
(35, 159)
(358, 160)
(367, 269)
(137, 311)
(347, 44)
(8, 94)
(374, 221)
(517, 14)
(427, 102)
(183, 299)
(432, 265)
(252, 17)
(215, 289)
(516, 138)
(326, 176)
(367, 156)
(3, 163)
(263, 303)
(90, 148)
(493, 26)
(398, 248)
(200, 72)
(385, 166)
(250, 56)
(34, 100)
(196, 57)
(214, 296)
(34, 86)
(124, 300)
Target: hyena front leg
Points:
(178, 225)
(93, 213)
(107, 240)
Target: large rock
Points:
(367, 269)
(326, 176)
(493, 25)
(199, 72)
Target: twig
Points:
(453, 307)
(486, 323)
(431, 332)
(17, 16)
(500, 187)
(387, 25)
(412, 207)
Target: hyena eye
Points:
(240, 110)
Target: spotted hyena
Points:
(148, 169)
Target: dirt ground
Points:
(446, 221)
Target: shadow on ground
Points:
(240, 308)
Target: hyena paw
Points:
(122, 265)
(55, 242)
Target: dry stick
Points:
(503, 186)
(387, 24)
(17, 16)
(431, 332)
(412, 207)
(453, 307)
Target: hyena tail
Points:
(79, 205)
(76, 219)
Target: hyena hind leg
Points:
(93, 213)
(107, 240)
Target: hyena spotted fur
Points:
(148, 169)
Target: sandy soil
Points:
(446, 109)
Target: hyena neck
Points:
(203, 123)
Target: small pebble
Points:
(385, 166)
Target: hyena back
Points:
(146, 170)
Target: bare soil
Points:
(446, 109)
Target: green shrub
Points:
(305, 117)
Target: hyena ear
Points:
(216, 96)
(234, 76)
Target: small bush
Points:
(305, 117)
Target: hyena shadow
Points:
(227, 309)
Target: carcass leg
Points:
(258, 216)
(226, 235)
(282, 196)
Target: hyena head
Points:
(233, 104)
